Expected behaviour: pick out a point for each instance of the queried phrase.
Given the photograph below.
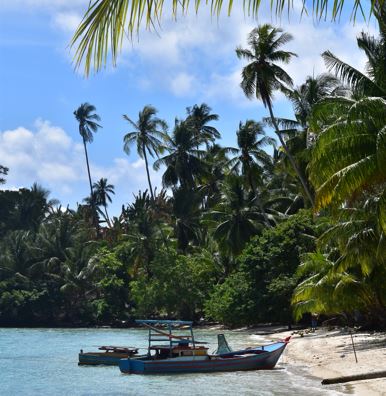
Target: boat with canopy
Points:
(169, 352)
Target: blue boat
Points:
(183, 354)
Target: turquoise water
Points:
(44, 362)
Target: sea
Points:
(45, 362)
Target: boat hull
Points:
(263, 360)
(103, 358)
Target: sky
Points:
(186, 62)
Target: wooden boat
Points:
(181, 354)
(111, 355)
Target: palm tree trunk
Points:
(107, 216)
(93, 208)
(147, 172)
(290, 156)
(88, 167)
(152, 195)
(258, 201)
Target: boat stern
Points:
(124, 365)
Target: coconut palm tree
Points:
(88, 125)
(184, 163)
(186, 215)
(373, 82)
(106, 21)
(102, 192)
(148, 135)
(349, 156)
(217, 162)
(305, 96)
(251, 158)
(198, 118)
(262, 76)
(235, 219)
(344, 275)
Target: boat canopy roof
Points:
(168, 322)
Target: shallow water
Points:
(44, 362)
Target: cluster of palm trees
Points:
(329, 159)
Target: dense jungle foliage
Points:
(265, 232)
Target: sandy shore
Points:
(328, 354)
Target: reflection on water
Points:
(44, 362)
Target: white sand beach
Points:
(330, 354)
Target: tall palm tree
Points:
(148, 135)
(106, 21)
(251, 158)
(88, 125)
(102, 192)
(184, 163)
(198, 118)
(262, 76)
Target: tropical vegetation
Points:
(271, 230)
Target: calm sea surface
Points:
(44, 362)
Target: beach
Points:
(329, 353)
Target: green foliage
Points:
(260, 289)
(179, 286)
(112, 284)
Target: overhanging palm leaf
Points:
(106, 22)
(349, 155)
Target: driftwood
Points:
(357, 377)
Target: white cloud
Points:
(199, 53)
(48, 155)
(67, 21)
(183, 84)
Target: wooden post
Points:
(353, 346)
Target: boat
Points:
(183, 354)
(110, 356)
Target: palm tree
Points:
(184, 163)
(251, 157)
(198, 118)
(186, 213)
(349, 156)
(373, 82)
(217, 162)
(102, 192)
(148, 135)
(235, 220)
(314, 89)
(345, 274)
(88, 125)
(105, 22)
(263, 76)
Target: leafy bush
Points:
(260, 289)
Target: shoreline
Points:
(328, 354)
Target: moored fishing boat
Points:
(110, 356)
(182, 354)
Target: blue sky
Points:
(189, 61)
